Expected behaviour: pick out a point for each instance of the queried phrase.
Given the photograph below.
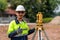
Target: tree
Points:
(47, 7)
(58, 1)
(3, 5)
(35, 6)
(58, 13)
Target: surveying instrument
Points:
(39, 25)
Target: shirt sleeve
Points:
(10, 28)
(31, 31)
(11, 32)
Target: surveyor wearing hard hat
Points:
(18, 28)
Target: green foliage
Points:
(58, 1)
(48, 6)
(58, 13)
(14, 3)
(35, 6)
(46, 20)
(3, 5)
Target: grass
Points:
(46, 20)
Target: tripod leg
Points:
(39, 35)
(45, 34)
(34, 34)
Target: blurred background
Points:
(49, 8)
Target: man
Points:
(18, 29)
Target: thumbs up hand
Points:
(19, 30)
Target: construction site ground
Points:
(53, 32)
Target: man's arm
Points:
(12, 34)
(31, 31)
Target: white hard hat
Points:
(20, 8)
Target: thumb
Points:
(19, 28)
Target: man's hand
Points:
(19, 30)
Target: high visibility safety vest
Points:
(23, 25)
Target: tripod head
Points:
(39, 20)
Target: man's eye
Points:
(20, 12)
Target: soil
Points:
(53, 32)
(56, 20)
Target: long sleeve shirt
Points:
(12, 31)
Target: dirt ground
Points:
(53, 32)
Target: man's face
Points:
(20, 14)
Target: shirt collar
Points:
(17, 22)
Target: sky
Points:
(57, 9)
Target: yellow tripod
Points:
(39, 25)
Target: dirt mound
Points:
(56, 20)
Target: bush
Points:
(46, 20)
(3, 5)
